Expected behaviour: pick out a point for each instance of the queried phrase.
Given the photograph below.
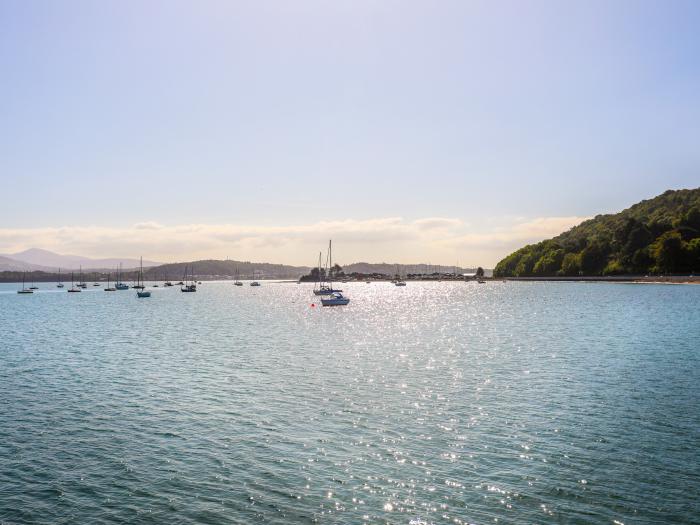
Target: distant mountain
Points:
(46, 259)
(13, 265)
(659, 235)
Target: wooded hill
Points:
(659, 235)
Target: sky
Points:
(444, 132)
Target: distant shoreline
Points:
(642, 279)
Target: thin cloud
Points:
(386, 238)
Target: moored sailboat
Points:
(109, 288)
(119, 285)
(326, 288)
(140, 292)
(187, 284)
(81, 283)
(24, 290)
(336, 298)
(73, 288)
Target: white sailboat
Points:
(336, 298)
(399, 281)
(60, 284)
(326, 288)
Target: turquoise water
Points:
(431, 404)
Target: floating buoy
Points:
(313, 305)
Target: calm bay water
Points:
(435, 403)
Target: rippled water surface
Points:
(434, 403)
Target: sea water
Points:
(431, 404)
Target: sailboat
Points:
(24, 290)
(237, 282)
(167, 282)
(119, 285)
(254, 283)
(33, 286)
(140, 292)
(138, 284)
(399, 281)
(60, 284)
(72, 288)
(109, 288)
(188, 285)
(81, 284)
(95, 283)
(326, 288)
(336, 298)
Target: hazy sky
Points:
(407, 131)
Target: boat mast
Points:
(330, 264)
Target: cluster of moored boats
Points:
(188, 284)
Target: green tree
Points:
(667, 252)
(571, 264)
(549, 263)
(594, 257)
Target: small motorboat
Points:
(59, 285)
(167, 283)
(400, 283)
(336, 299)
(255, 283)
(143, 293)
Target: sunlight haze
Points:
(258, 130)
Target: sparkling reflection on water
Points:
(434, 403)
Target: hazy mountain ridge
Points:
(39, 259)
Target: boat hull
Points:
(335, 302)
